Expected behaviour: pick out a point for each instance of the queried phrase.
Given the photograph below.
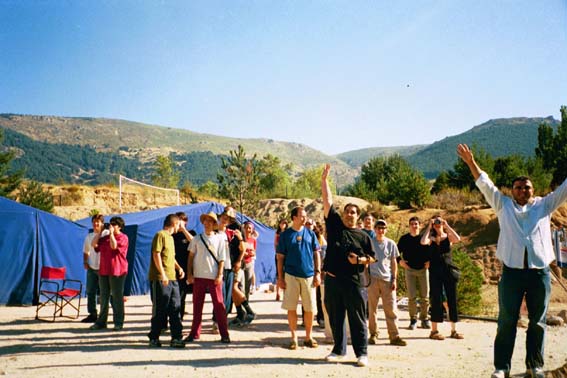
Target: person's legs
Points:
(373, 295)
(92, 289)
(538, 291)
(510, 294)
(356, 302)
(450, 286)
(228, 281)
(390, 308)
(422, 277)
(160, 300)
(173, 311)
(117, 290)
(308, 301)
(411, 286)
(218, 307)
(248, 274)
(104, 286)
(182, 285)
(435, 293)
(336, 310)
(199, 288)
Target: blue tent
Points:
(31, 238)
(142, 226)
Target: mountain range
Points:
(57, 149)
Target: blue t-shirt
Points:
(298, 247)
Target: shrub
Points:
(455, 199)
(469, 300)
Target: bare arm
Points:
(466, 155)
(317, 268)
(326, 191)
(281, 280)
(156, 256)
(451, 234)
(425, 240)
(189, 273)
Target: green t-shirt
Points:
(164, 245)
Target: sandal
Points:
(293, 345)
(311, 343)
(435, 335)
(456, 335)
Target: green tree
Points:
(165, 173)
(239, 180)
(507, 168)
(33, 194)
(392, 180)
(308, 184)
(275, 178)
(210, 189)
(470, 283)
(8, 181)
(461, 177)
(552, 149)
(441, 182)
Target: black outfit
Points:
(440, 279)
(344, 293)
(181, 256)
(413, 252)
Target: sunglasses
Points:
(525, 187)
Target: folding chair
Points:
(54, 287)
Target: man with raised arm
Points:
(524, 247)
(349, 251)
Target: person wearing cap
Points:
(383, 276)
(299, 273)
(207, 254)
(165, 288)
(349, 250)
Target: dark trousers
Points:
(440, 279)
(92, 290)
(184, 289)
(319, 304)
(535, 285)
(346, 298)
(165, 304)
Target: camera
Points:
(437, 221)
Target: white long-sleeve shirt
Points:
(523, 228)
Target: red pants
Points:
(200, 286)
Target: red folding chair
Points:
(59, 291)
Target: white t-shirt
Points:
(94, 257)
(204, 266)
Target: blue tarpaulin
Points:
(29, 239)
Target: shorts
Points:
(296, 287)
(239, 279)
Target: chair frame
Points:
(54, 287)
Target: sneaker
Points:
(97, 326)
(225, 340)
(398, 341)
(177, 343)
(236, 323)
(412, 324)
(362, 361)
(89, 319)
(154, 343)
(500, 373)
(426, 324)
(536, 372)
(118, 327)
(333, 357)
(249, 318)
(373, 339)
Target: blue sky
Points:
(335, 75)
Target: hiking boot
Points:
(398, 341)
(90, 319)
(373, 339)
(426, 324)
(154, 343)
(249, 318)
(177, 343)
(412, 324)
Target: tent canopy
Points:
(29, 239)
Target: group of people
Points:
(356, 266)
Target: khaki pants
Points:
(382, 289)
(415, 278)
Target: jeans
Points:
(111, 285)
(535, 285)
(165, 304)
(92, 290)
(228, 282)
(418, 278)
(346, 298)
(248, 269)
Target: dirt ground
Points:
(67, 348)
